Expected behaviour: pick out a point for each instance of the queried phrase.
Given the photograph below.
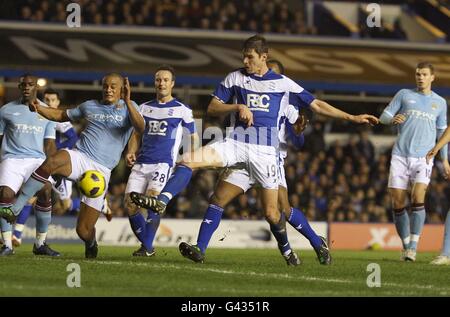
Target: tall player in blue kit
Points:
(236, 181)
(110, 124)
(257, 98)
(421, 116)
(153, 154)
(26, 139)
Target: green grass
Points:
(226, 272)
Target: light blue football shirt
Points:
(24, 131)
(107, 132)
(424, 115)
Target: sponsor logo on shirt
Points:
(105, 117)
(28, 128)
(258, 102)
(157, 127)
(421, 115)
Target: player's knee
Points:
(6, 193)
(218, 200)
(272, 215)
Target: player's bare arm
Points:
(324, 108)
(133, 147)
(136, 119)
(216, 108)
(51, 114)
(49, 147)
(443, 140)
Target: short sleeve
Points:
(188, 120)
(77, 113)
(301, 99)
(395, 104)
(441, 122)
(225, 91)
(2, 123)
(50, 130)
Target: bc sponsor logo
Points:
(258, 102)
(157, 127)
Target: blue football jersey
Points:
(164, 125)
(267, 97)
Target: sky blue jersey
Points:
(24, 131)
(107, 132)
(164, 124)
(425, 114)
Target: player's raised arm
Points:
(133, 146)
(324, 108)
(136, 119)
(51, 114)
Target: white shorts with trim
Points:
(16, 171)
(82, 163)
(240, 177)
(145, 177)
(260, 161)
(64, 190)
(405, 171)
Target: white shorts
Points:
(240, 177)
(14, 172)
(82, 163)
(408, 170)
(64, 190)
(145, 177)
(260, 161)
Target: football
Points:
(92, 184)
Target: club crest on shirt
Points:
(170, 112)
(434, 106)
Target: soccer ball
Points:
(92, 184)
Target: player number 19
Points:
(271, 171)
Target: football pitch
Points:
(226, 272)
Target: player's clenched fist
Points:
(245, 115)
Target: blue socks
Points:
(177, 182)
(401, 220)
(21, 220)
(280, 234)
(417, 221)
(151, 226)
(137, 222)
(446, 247)
(210, 222)
(144, 230)
(298, 220)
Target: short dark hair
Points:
(113, 74)
(426, 65)
(28, 75)
(256, 42)
(51, 91)
(167, 68)
(278, 63)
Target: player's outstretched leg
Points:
(20, 225)
(444, 257)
